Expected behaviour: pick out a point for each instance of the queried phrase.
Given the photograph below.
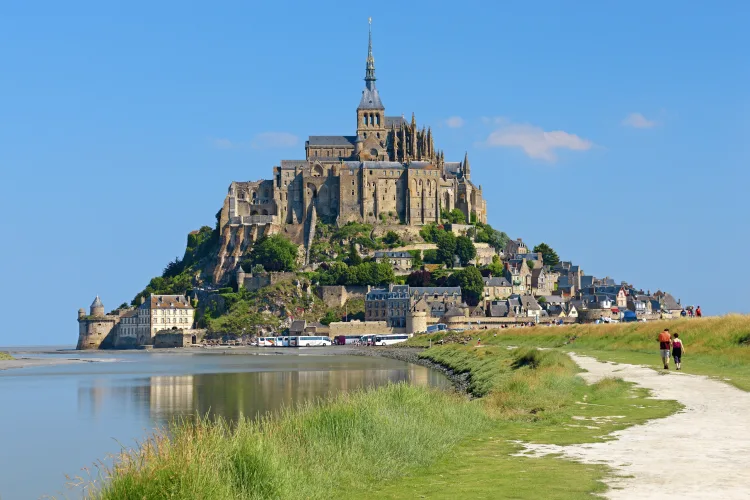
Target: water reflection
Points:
(250, 394)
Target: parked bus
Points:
(282, 342)
(266, 341)
(391, 339)
(367, 339)
(346, 339)
(313, 341)
(439, 327)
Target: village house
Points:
(519, 275)
(515, 247)
(401, 261)
(393, 304)
(540, 282)
(496, 288)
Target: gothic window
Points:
(352, 182)
(378, 135)
(374, 152)
(378, 119)
(352, 193)
(364, 119)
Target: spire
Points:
(466, 168)
(370, 71)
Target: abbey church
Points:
(388, 172)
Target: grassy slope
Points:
(718, 347)
(400, 441)
(4, 356)
(531, 397)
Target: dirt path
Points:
(701, 452)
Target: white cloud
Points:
(268, 140)
(637, 120)
(222, 143)
(535, 142)
(455, 122)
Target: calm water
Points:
(54, 420)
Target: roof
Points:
(396, 121)
(670, 303)
(285, 164)
(331, 140)
(393, 255)
(370, 99)
(169, 302)
(97, 302)
(496, 281)
(451, 167)
(499, 309)
(453, 312)
(432, 290)
(529, 302)
(298, 325)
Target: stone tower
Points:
(371, 114)
(97, 308)
(81, 313)
(466, 168)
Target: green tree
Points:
(392, 238)
(419, 278)
(446, 248)
(530, 264)
(430, 232)
(465, 250)
(353, 259)
(430, 256)
(548, 254)
(275, 253)
(470, 281)
(496, 239)
(416, 258)
(496, 267)
(258, 269)
(329, 318)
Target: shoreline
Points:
(10, 364)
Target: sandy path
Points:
(701, 452)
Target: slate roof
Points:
(670, 303)
(373, 164)
(454, 312)
(390, 121)
(293, 163)
(496, 281)
(432, 290)
(97, 302)
(370, 100)
(331, 140)
(530, 303)
(393, 255)
(499, 309)
(452, 167)
(298, 326)
(170, 302)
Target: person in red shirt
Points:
(698, 312)
(665, 344)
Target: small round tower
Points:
(81, 313)
(416, 322)
(97, 308)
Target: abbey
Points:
(388, 172)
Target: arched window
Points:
(377, 117)
(364, 119)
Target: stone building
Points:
(401, 261)
(397, 303)
(128, 328)
(496, 288)
(388, 171)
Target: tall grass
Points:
(314, 451)
(4, 356)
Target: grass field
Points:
(4, 356)
(400, 441)
(717, 347)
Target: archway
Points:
(254, 212)
(264, 212)
(317, 171)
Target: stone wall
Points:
(362, 328)
(337, 295)
(177, 338)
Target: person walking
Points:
(678, 349)
(698, 312)
(665, 343)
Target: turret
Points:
(466, 168)
(97, 308)
(370, 112)
(81, 313)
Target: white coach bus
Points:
(310, 341)
(391, 339)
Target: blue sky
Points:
(617, 134)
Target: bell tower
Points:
(371, 113)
